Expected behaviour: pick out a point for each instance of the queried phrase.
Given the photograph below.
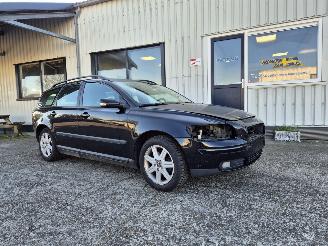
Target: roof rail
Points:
(81, 78)
(147, 81)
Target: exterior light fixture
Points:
(2, 53)
(148, 58)
(266, 39)
(280, 54)
(307, 51)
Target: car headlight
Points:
(211, 132)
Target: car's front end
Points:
(213, 138)
(237, 144)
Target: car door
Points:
(104, 130)
(65, 117)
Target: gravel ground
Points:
(280, 200)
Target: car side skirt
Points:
(122, 161)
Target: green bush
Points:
(286, 128)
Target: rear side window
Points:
(94, 92)
(48, 97)
(68, 96)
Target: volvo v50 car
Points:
(146, 126)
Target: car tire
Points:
(47, 146)
(162, 164)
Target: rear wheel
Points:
(162, 164)
(47, 146)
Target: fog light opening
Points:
(225, 165)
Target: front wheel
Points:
(47, 146)
(162, 164)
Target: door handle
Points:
(85, 115)
(53, 113)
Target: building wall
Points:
(25, 46)
(185, 26)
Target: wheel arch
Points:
(145, 137)
(39, 129)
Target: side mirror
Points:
(110, 103)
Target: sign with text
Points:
(195, 62)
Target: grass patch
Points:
(5, 137)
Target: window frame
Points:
(94, 59)
(285, 27)
(19, 82)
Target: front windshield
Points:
(146, 94)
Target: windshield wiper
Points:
(152, 104)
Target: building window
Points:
(36, 77)
(285, 55)
(137, 64)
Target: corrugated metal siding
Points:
(290, 105)
(182, 26)
(24, 46)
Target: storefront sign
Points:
(298, 73)
(227, 59)
(195, 62)
(283, 62)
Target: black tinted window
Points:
(68, 95)
(48, 97)
(94, 92)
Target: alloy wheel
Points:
(46, 144)
(158, 164)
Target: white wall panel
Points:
(302, 105)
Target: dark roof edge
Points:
(26, 7)
(89, 3)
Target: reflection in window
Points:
(53, 73)
(36, 77)
(145, 64)
(112, 65)
(48, 98)
(284, 55)
(94, 92)
(227, 61)
(135, 64)
(30, 80)
(68, 95)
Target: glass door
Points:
(228, 71)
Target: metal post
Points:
(77, 41)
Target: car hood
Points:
(221, 112)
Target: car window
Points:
(47, 99)
(68, 95)
(94, 92)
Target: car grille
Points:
(252, 158)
